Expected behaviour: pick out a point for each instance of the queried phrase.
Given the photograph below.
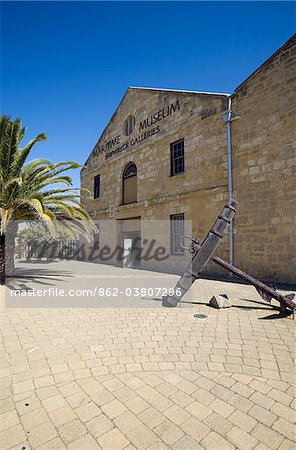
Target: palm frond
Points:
(27, 189)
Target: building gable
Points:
(142, 114)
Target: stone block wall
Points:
(264, 176)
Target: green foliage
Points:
(39, 234)
(27, 191)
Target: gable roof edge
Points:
(180, 91)
(285, 46)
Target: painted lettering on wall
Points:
(159, 115)
(146, 130)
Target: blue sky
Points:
(66, 65)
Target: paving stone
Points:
(173, 378)
(41, 434)
(284, 411)
(113, 384)
(146, 392)
(199, 410)
(70, 389)
(286, 428)
(6, 405)
(292, 390)
(269, 437)
(176, 414)
(102, 396)
(262, 400)
(34, 418)
(153, 381)
(287, 445)
(218, 423)
(86, 442)
(221, 407)
(99, 425)
(142, 437)
(12, 436)
(113, 408)
(137, 405)
(81, 373)
(24, 386)
(261, 446)
(186, 443)
(71, 431)
(8, 420)
(160, 402)
(277, 384)
(151, 417)
(77, 400)
(195, 428)
(158, 446)
(89, 385)
(187, 387)
(127, 421)
(168, 432)
(288, 377)
(59, 368)
(215, 441)
(113, 440)
(242, 420)
(241, 439)
(222, 392)
(55, 402)
(166, 389)
(182, 399)
(125, 393)
(281, 397)
(44, 381)
(63, 377)
(260, 387)
(262, 415)
(273, 374)
(241, 403)
(160, 379)
(61, 416)
(242, 389)
(224, 380)
(47, 392)
(87, 411)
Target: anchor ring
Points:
(192, 241)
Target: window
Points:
(177, 232)
(177, 157)
(129, 187)
(129, 125)
(97, 186)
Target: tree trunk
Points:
(10, 237)
(2, 259)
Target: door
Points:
(131, 243)
(127, 252)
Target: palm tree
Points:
(27, 191)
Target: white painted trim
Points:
(179, 90)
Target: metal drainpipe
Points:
(227, 117)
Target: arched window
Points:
(129, 184)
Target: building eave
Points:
(180, 91)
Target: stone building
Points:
(176, 156)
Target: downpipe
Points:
(227, 117)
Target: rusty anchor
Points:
(201, 258)
(204, 252)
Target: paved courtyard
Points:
(131, 375)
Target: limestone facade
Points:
(146, 124)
